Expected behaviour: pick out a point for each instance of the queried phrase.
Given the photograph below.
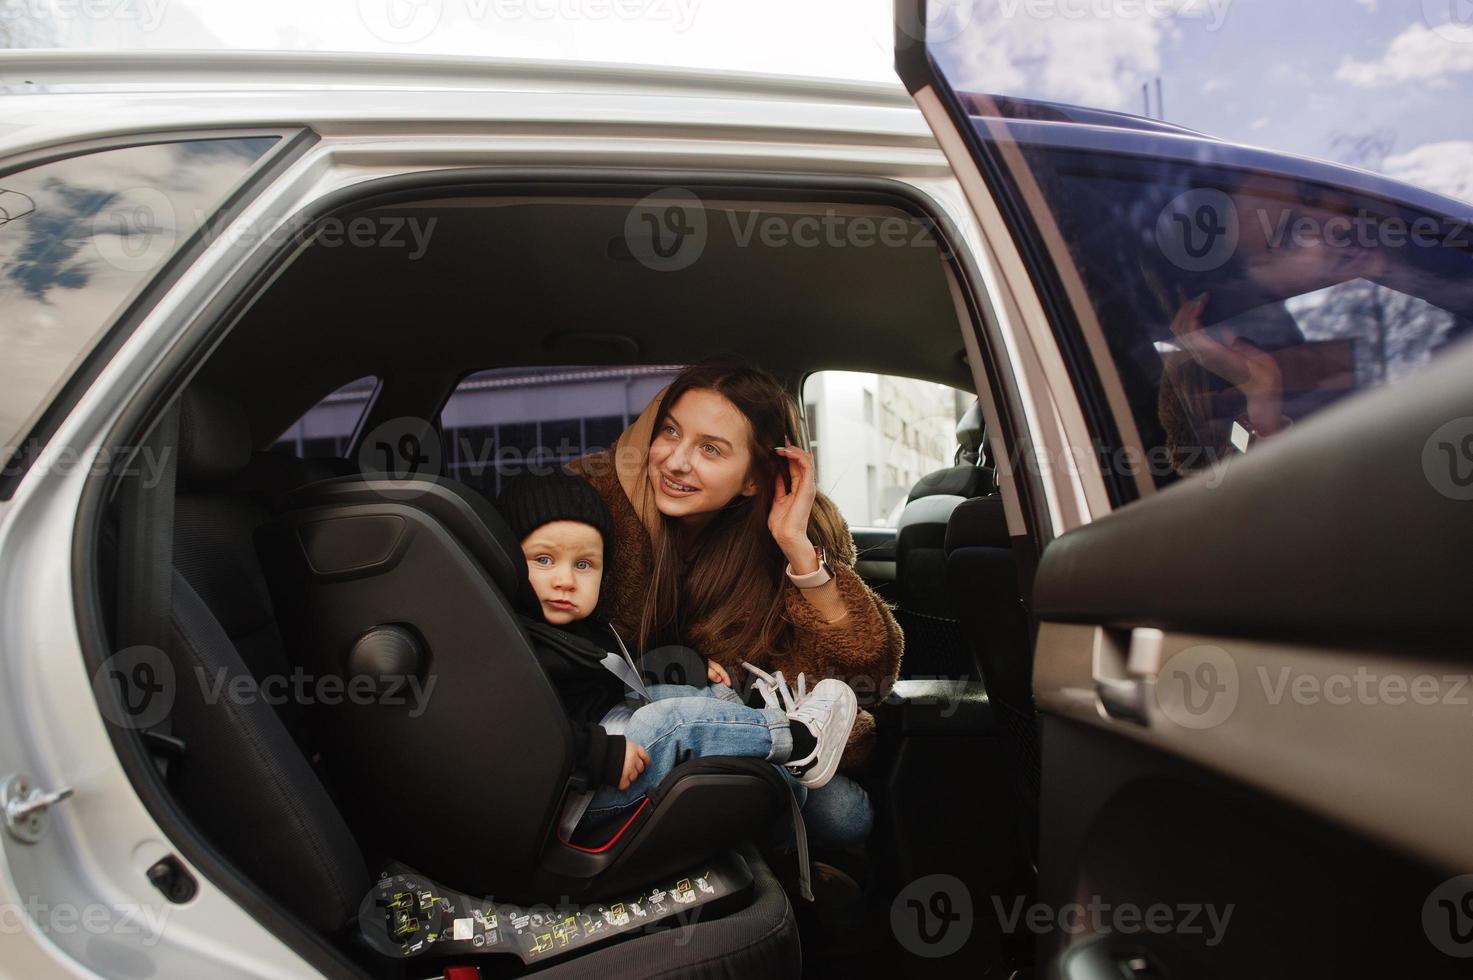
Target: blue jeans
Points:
(682, 721)
(837, 814)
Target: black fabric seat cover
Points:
(982, 581)
(244, 778)
(935, 645)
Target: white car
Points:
(1174, 704)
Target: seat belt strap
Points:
(800, 834)
(623, 668)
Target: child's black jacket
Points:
(572, 656)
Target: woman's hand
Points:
(791, 507)
(636, 760)
(716, 674)
(1249, 368)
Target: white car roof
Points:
(59, 96)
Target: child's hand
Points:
(716, 674)
(635, 761)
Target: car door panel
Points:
(1202, 877)
(1243, 548)
(1249, 680)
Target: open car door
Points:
(1252, 662)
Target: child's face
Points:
(565, 563)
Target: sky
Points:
(1307, 76)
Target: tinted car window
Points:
(79, 238)
(498, 421)
(326, 429)
(1235, 301)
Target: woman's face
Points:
(701, 457)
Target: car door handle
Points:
(1124, 669)
(1123, 699)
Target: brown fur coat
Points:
(863, 648)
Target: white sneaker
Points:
(829, 712)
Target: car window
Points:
(79, 238)
(498, 421)
(874, 435)
(326, 430)
(1236, 302)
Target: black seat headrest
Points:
(463, 511)
(963, 480)
(978, 523)
(214, 436)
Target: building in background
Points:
(874, 436)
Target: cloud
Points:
(1418, 54)
(1370, 5)
(1443, 167)
(1086, 53)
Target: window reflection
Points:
(1236, 302)
(79, 238)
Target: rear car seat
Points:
(247, 783)
(935, 645)
(982, 583)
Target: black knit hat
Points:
(532, 500)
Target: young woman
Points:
(726, 546)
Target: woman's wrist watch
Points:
(821, 575)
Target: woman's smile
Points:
(676, 488)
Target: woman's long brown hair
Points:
(726, 601)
